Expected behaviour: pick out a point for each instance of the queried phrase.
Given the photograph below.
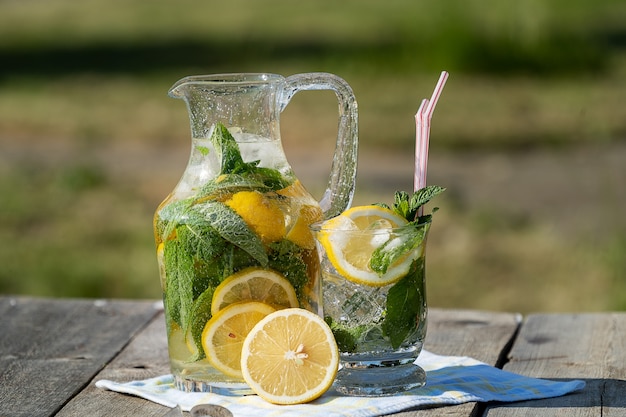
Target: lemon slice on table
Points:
(350, 252)
(254, 284)
(290, 357)
(225, 332)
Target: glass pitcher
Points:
(233, 237)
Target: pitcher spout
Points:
(247, 102)
(218, 81)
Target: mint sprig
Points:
(231, 162)
(406, 298)
(408, 206)
(412, 235)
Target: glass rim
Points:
(322, 226)
(231, 78)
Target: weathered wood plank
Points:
(144, 357)
(572, 346)
(52, 348)
(480, 335)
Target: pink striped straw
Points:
(422, 132)
(421, 147)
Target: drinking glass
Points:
(379, 326)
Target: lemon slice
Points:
(226, 331)
(261, 212)
(254, 284)
(305, 211)
(349, 244)
(300, 234)
(161, 263)
(290, 357)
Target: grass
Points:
(91, 144)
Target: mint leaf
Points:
(407, 239)
(408, 206)
(424, 195)
(171, 296)
(405, 303)
(347, 338)
(231, 162)
(287, 258)
(179, 283)
(206, 251)
(198, 317)
(232, 228)
(271, 178)
(229, 184)
(401, 204)
(170, 216)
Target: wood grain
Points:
(572, 346)
(50, 349)
(144, 357)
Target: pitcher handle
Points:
(342, 180)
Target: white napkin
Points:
(449, 380)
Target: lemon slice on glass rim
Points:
(349, 244)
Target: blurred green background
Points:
(529, 135)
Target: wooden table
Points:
(53, 350)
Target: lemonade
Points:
(362, 319)
(373, 274)
(243, 237)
